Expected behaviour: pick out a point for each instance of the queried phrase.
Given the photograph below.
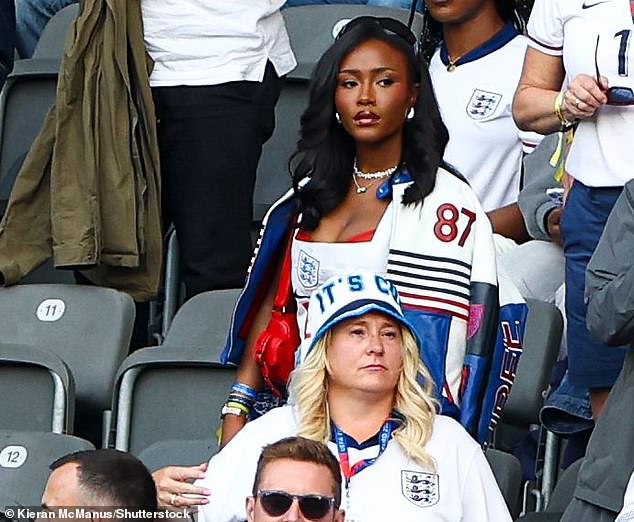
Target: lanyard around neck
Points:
(385, 434)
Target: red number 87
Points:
(446, 228)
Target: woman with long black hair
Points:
(370, 192)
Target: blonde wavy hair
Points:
(308, 388)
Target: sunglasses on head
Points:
(616, 95)
(389, 25)
(313, 507)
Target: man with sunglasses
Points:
(296, 480)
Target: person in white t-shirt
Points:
(358, 389)
(215, 82)
(587, 42)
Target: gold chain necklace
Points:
(451, 66)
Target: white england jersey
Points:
(602, 153)
(394, 488)
(475, 101)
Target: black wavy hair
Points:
(431, 35)
(325, 151)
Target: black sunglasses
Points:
(390, 25)
(616, 95)
(313, 507)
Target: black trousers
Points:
(210, 141)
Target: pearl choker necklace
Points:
(373, 177)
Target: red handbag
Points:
(275, 346)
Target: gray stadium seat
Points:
(175, 391)
(25, 457)
(508, 475)
(541, 345)
(52, 40)
(37, 390)
(184, 452)
(203, 322)
(88, 327)
(28, 94)
(168, 393)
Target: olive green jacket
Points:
(88, 192)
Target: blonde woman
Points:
(358, 389)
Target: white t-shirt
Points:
(315, 262)
(201, 42)
(461, 489)
(475, 101)
(602, 154)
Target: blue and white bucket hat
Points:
(346, 296)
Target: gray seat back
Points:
(28, 94)
(37, 390)
(25, 457)
(53, 37)
(168, 393)
(88, 327)
(541, 346)
(177, 452)
(176, 391)
(508, 475)
(203, 322)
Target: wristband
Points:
(244, 409)
(231, 410)
(239, 399)
(559, 100)
(245, 390)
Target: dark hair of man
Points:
(432, 30)
(302, 450)
(325, 151)
(112, 477)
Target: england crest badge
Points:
(421, 489)
(308, 270)
(482, 104)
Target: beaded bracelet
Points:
(559, 100)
